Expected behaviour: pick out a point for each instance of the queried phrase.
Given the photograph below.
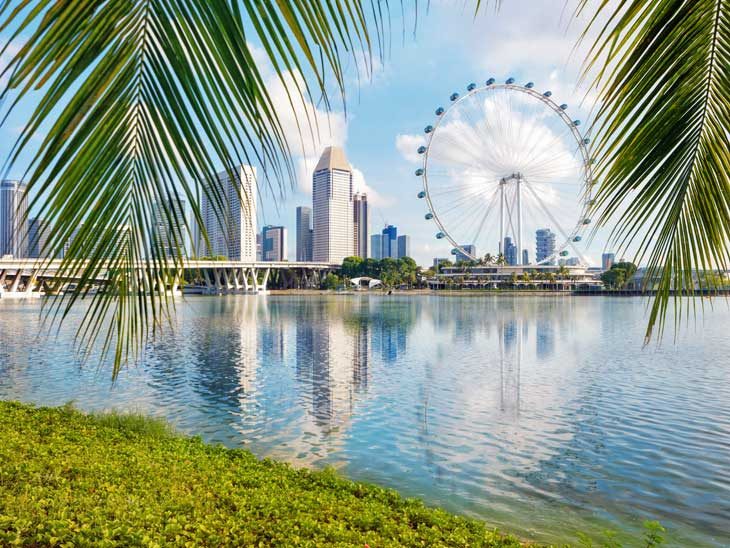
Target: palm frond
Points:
(145, 101)
(663, 158)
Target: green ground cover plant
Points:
(72, 479)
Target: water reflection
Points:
(517, 410)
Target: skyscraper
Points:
(510, 251)
(404, 246)
(274, 243)
(38, 231)
(13, 228)
(544, 244)
(361, 224)
(376, 246)
(304, 233)
(607, 260)
(389, 246)
(170, 228)
(471, 249)
(332, 207)
(232, 232)
(525, 256)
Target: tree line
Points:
(392, 272)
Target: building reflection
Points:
(544, 338)
(510, 356)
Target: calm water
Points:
(544, 416)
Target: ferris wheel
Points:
(504, 164)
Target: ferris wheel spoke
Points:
(512, 135)
(460, 202)
(492, 203)
(466, 157)
(555, 222)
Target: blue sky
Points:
(527, 39)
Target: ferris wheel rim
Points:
(586, 180)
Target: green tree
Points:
(618, 275)
(371, 268)
(353, 267)
(331, 281)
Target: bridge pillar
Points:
(236, 280)
(3, 274)
(265, 280)
(218, 284)
(226, 281)
(30, 284)
(16, 281)
(245, 279)
(208, 284)
(175, 284)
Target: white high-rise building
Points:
(332, 207)
(232, 232)
(13, 225)
(170, 229)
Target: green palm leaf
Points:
(145, 101)
(663, 71)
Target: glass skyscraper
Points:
(390, 242)
(544, 244)
(304, 234)
(273, 243)
(361, 224)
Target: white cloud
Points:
(375, 198)
(309, 128)
(408, 145)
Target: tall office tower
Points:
(460, 257)
(544, 244)
(404, 246)
(170, 229)
(304, 234)
(376, 246)
(361, 224)
(607, 260)
(274, 243)
(13, 228)
(232, 232)
(38, 232)
(525, 257)
(259, 248)
(332, 207)
(389, 247)
(510, 251)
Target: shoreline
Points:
(127, 479)
(121, 479)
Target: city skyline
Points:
(380, 152)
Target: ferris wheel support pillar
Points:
(501, 216)
(519, 218)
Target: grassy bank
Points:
(67, 478)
